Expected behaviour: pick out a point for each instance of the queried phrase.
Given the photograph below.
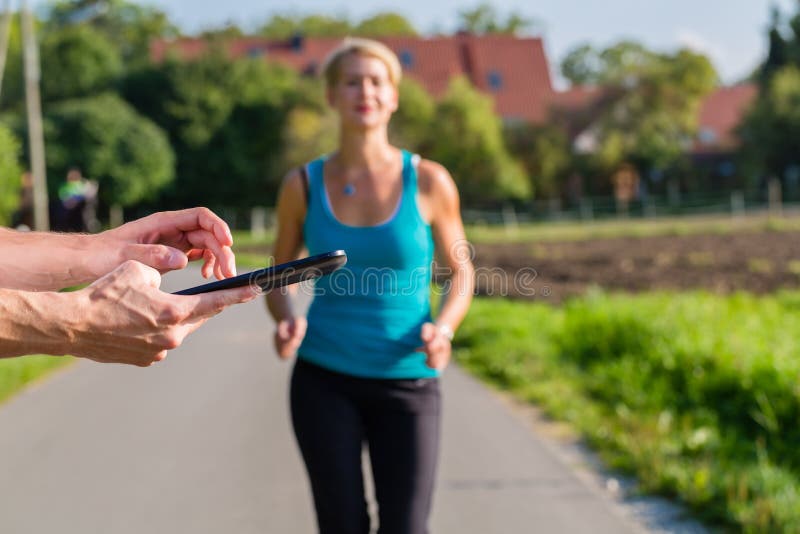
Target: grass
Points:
(16, 373)
(697, 395)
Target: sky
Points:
(731, 32)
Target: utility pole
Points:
(5, 29)
(35, 133)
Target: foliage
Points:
(284, 26)
(771, 128)
(485, 19)
(77, 61)
(225, 120)
(385, 24)
(545, 152)
(10, 173)
(695, 394)
(466, 137)
(128, 26)
(411, 122)
(127, 154)
(654, 112)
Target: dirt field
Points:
(755, 262)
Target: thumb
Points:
(159, 257)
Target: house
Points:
(514, 71)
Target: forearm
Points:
(34, 323)
(39, 261)
(456, 301)
(279, 304)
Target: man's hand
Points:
(436, 347)
(289, 333)
(167, 241)
(124, 318)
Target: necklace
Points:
(349, 189)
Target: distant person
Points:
(369, 355)
(122, 317)
(22, 219)
(76, 203)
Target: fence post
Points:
(554, 208)
(674, 194)
(510, 219)
(774, 195)
(587, 209)
(649, 208)
(115, 216)
(258, 222)
(737, 204)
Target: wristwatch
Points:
(446, 331)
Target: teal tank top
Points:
(365, 319)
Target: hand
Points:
(124, 318)
(289, 333)
(167, 241)
(436, 346)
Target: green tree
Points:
(129, 26)
(485, 19)
(771, 131)
(652, 115)
(284, 26)
(411, 122)
(127, 154)
(77, 61)
(226, 122)
(385, 24)
(466, 137)
(545, 152)
(10, 173)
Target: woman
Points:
(369, 355)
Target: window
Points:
(707, 136)
(406, 59)
(495, 80)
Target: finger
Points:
(193, 219)
(160, 257)
(428, 332)
(195, 254)
(224, 254)
(210, 304)
(208, 263)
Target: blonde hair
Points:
(357, 45)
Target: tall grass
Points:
(697, 394)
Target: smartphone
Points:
(278, 275)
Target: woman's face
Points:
(364, 95)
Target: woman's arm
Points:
(453, 252)
(290, 329)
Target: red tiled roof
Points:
(720, 113)
(514, 71)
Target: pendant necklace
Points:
(349, 189)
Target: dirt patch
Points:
(755, 262)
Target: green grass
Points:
(697, 395)
(16, 373)
(606, 229)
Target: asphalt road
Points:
(201, 443)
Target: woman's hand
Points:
(289, 333)
(436, 346)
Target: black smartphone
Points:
(278, 275)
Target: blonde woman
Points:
(369, 354)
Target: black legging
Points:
(334, 415)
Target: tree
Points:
(77, 61)
(10, 173)
(484, 19)
(226, 121)
(385, 24)
(130, 27)
(286, 26)
(652, 116)
(545, 152)
(411, 122)
(771, 131)
(127, 154)
(465, 136)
